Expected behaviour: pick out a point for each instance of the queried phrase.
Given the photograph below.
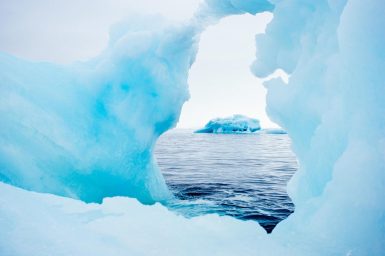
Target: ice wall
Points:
(87, 130)
(332, 108)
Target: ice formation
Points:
(233, 124)
(274, 131)
(87, 131)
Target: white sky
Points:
(221, 83)
(67, 30)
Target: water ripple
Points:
(243, 176)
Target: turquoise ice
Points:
(233, 124)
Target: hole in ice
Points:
(243, 176)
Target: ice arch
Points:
(87, 130)
(332, 107)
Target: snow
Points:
(87, 131)
(44, 224)
(233, 124)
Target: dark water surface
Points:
(240, 175)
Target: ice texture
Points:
(233, 124)
(87, 131)
(334, 52)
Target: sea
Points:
(238, 175)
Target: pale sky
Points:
(220, 80)
(63, 31)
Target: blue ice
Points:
(233, 124)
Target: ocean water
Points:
(240, 175)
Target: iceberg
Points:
(233, 124)
(274, 131)
(87, 131)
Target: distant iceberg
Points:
(274, 131)
(233, 124)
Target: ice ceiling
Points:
(87, 131)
